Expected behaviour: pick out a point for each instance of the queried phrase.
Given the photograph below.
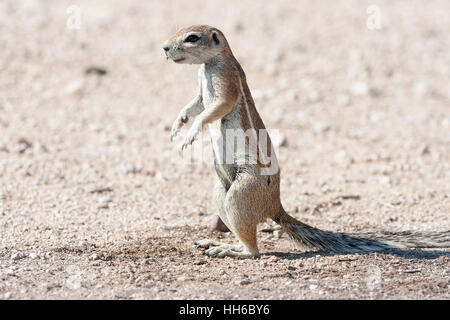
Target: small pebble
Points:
(130, 169)
(385, 180)
(24, 145)
(242, 282)
(422, 89)
(74, 87)
(424, 149)
(279, 140)
(17, 256)
(94, 257)
(161, 177)
(95, 70)
(360, 88)
(322, 127)
(34, 256)
(342, 157)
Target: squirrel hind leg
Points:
(219, 195)
(247, 203)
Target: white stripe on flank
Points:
(251, 124)
(246, 105)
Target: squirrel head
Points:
(196, 44)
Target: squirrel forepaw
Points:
(191, 135)
(174, 134)
(178, 123)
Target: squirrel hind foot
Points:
(230, 251)
(221, 250)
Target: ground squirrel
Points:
(247, 190)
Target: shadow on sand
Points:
(418, 254)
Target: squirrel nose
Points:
(166, 46)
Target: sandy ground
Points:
(95, 202)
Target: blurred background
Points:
(359, 90)
(360, 93)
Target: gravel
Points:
(97, 203)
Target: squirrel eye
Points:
(192, 38)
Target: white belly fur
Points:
(218, 128)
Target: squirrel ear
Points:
(215, 38)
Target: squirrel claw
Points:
(188, 141)
(173, 135)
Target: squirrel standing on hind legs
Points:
(247, 190)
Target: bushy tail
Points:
(363, 242)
